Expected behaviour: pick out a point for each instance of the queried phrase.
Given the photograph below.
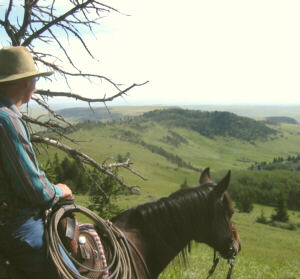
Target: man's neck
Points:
(11, 98)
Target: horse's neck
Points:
(159, 233)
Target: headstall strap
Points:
(231, 264)
(215, 263)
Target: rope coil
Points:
(118, 263)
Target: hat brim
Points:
(18, 77)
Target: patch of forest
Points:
(265, 187)
(211, 124)
(129, 136)
(174, 139)
(278, 163)
(275, 120)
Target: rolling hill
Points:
(160, 146)
(212, 124)
(166, 150)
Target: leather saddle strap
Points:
(71, 228)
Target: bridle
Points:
(216, 260)
(230, 261)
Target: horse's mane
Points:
(177, 217)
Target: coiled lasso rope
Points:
(118, 263)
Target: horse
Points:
(157, 231)
(160, 230)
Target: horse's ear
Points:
(205, 176)
(223, 184)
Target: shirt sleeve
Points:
(28, 182)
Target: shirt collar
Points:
(5, 101)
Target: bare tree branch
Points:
(9, 28)
(88, 100)
(52, 112)
(61, 18)
(77, 155)
(125, 165)
(81, 74)
(26, 19)
(53, 126)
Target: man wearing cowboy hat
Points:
(25, 192)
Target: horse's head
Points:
(222, 234)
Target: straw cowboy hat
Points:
(16, 63)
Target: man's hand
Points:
(66, 191)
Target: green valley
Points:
(169, 152)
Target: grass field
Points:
(267, 252)
(220, 154)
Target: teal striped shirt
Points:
(23, 182)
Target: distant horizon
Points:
(141, 103)
(247, 110)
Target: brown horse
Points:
(158, 231)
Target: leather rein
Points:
(216, 260)
(127, 243)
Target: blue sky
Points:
(197, 52)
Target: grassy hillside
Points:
(106, 142)
(267, 252)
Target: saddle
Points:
(83, 243)
(91, 252)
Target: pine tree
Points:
(281, 214)
(101, 204)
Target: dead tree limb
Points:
(77, 155)
(52, 112)
(88, 100)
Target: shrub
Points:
(283, 225)
(262, 219)
(281, 214)
(244, 202)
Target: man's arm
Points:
(28, 182)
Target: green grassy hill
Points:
(150, 143)
(212, 124)
(267, 252)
